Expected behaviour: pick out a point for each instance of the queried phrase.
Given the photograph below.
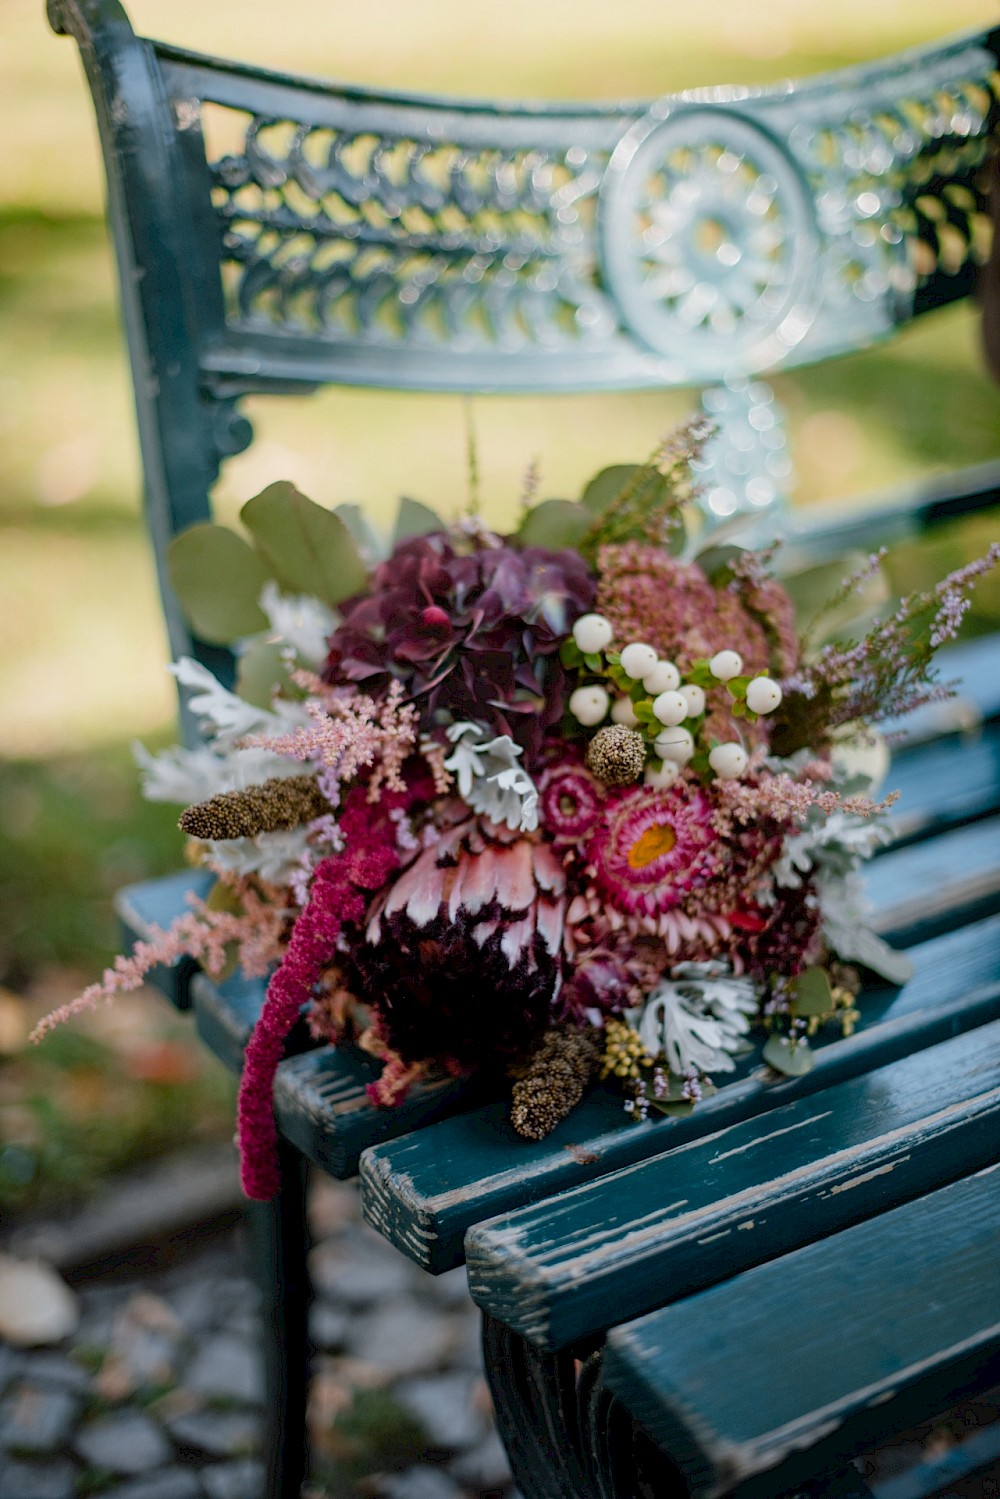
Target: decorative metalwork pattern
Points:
(711, 240)
(708, 237)
(354, 235)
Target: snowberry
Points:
(638, 659)
(664, 778)
(664, 677)
(763, 695)
(675, 744)
(726, 664)
(729, 761)
(589, 705)
(622, 711)
(592, 632)
(670, 708)
(695, 699)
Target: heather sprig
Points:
(886, 674)
(649, 504)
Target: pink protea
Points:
(463, 955)
(654, 849)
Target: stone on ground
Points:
(37, 1307)
(126, 1442)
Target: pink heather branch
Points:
(786, 800)
(368, 859)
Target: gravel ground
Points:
(157, 1394)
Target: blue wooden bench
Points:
(741, 1300)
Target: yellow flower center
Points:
(656, 840)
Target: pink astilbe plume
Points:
(202, 934)
(350, 732)
(338, 897)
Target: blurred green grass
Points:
(82, 672)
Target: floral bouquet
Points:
(583, 801)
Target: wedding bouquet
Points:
(582, 801)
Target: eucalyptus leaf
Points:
(793, 1061)
(605, 487)
(260, 669)
(217, 578)
(678, 1110)
(222, 897)
(813, 995)
(415, 519)
(308, 549)
(370, 542)
(716, 562)
(554, 524)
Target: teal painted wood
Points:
(154, 904)
(425, 1191)
(928, 886)
(613, 1249)
(322, 1107)
(868, 1331)
(965, 769)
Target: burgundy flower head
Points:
(473, 635)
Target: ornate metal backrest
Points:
(276, 233)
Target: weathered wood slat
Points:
(952, 780)
(791, 1368)
(425, 1191)
(322, 1107)
(618, 1247)
(930, 886)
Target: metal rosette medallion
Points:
(709, 240)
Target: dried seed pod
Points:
(282, 802)
(616, 755)
(555, 1079)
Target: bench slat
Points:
(952, 780)
(900, 1317)
(928, 886)
(614, 1249)
(425, 1191)
(322, 1107)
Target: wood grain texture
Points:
(425, 1191)
(929, 886)
(659, 1230)
(322, 1107)
(866, 1332)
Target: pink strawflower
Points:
(572, 802)
(654, 848)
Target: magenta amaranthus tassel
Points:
(368, 858)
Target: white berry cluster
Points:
(673, 701)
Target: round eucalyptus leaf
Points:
(415, 519)
(793, 1061)
(554, 524)
(607, 486)
(259, 670)
(306, 548)
(217, 578)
